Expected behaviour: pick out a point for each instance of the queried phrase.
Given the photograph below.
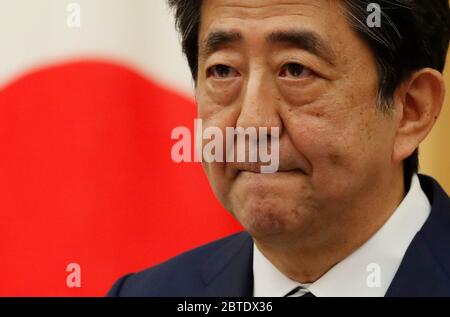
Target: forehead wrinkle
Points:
(219, 12)
(269, 9)
(226, 16)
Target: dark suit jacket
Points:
(224, 268)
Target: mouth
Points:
(272, 180)
(256, 172)
(290, 171)
(254, 169)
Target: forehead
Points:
(266, 13)
(255, 20)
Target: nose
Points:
(259, 108)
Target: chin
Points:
(271, 222)
(271, 208)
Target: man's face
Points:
(297, 66)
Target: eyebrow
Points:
(217, 40)
(306, 40)
(303, 39)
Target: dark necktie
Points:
(296, 293)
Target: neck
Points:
(306, 262)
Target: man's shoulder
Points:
(178, 276)
(435, 193)
(425, 267)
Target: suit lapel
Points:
(228, 272)
(425, 269)
(420, 274)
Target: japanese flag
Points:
(90, 91)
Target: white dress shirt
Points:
(369, 270)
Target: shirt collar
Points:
(369, 270)
(268, 280)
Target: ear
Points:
(418, 103)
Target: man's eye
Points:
(295, 71)
(222, 72)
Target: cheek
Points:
(333, 156)
(296, 97)
(217, 109)
(336, 144)
(216, 93)
(217, 116)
